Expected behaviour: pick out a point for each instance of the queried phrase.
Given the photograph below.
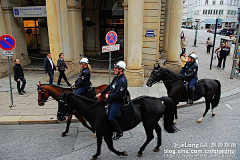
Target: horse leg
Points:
(150, 136)
(176, 117)
(99, 144)
(109, 141)
(82, 120)
(159, 136)
(69, 120)
(205, 112)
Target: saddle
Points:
(197, 89)
(126, 113)
(91, 93)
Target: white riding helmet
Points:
(84, 60)
(120, 64)
(193, 56)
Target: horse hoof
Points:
(93, 158)
(175, 121)
(140, 154)
(199, 121)
(125, 153)
(94, 135)
(156, 150)
(63, 134)
(213, 114)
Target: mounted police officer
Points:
(189, 74)
(83, 83)
(118, 89)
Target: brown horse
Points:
(46, 90)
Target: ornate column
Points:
(134, 71)
(125, 6)
(76, 32)
(166, 25)
(174, 35)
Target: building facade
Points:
(77, 28)
(206, 12)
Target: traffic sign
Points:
(7, 42)
(110, 48)
(111, 38)
(7, 53)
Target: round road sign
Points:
(111, 38)
(7, 42)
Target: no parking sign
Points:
(7, 42)
(111, 38)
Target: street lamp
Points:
(195, 40)
(216, 25)
(236, 47)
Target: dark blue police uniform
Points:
(118, 89)
(190, 72)
(83, 83)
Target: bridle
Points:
(42, 99)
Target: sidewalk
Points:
(28, 111)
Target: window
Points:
(216, 11)
(228, 12)
(213, 2)
(209, 11)
(206, 2)
(221, 2)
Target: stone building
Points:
(147, 31)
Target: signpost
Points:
(111, 39)
(8, 43)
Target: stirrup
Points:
(117, 136)
(189, 101)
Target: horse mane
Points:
(170, 72)
(53, 85)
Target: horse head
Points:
(63, 109)
(42, 94)
(155, 76)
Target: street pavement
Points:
(28, 111)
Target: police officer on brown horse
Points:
(118, 89)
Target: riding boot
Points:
(191, 96)
(118, 128)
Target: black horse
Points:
(210, 89)
(148, 110)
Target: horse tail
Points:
(169, 114)
(215, 100)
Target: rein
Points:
(154, 81)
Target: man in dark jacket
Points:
(61, 68)
(225, 50)
(49, 67)
(19, 76)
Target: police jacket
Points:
(18, 72)
(225, 50)
(84, 78)
(61, 65)
(189, 70)
(47, 66)
(117, 88)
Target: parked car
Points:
(190, 27)
(183, 26)
(217, 32)
(234, 38)
(227, 31)
(209, 30)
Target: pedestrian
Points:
(49, 67)
(217, 51)
(184, 59)
(118, 90)
(83, 83)
(19, 76)
(225, 50)
(208, 45)
(238, 59)
(184, 43)
(61, 68)
(182, 35)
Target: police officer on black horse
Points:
(189, 74)
(118, 90)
